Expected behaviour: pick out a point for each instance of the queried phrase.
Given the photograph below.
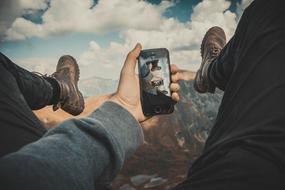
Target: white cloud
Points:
(103, 62)
(33, 4)
(210, 13)
(182, 39)
(134, 21)
(242, 6)
(22, 29)
(245, 3)
(38, 64)
(9, 11)
(65, 16)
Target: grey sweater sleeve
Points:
(79, 154)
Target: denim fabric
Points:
(20, 91)
(245, 148)
(36, 91)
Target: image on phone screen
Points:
(156, 76)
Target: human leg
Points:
(19, 125)
(253, 67)
(60, 89)
(235, 170)
(251, 115)
(36, 91)
(217, 61)
(22, 91)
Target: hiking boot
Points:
(212, 44)
(67, 76)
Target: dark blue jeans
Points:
(20, 92)
(246, 146)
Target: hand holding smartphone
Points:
(155, 80)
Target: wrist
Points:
(131, 109)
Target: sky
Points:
(100, 33)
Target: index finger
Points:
(174, 69)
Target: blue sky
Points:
(100, 49)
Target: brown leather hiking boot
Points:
(212, 44)
(67, 76)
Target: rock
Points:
(140, 179)
(126, 187)
(155, 182)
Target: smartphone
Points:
(155, 80)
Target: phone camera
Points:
(157, 109)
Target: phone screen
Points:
(154, 72)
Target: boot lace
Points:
(215, 51)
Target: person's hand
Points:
(128, 92)
(181, 74)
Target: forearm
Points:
(79, 154)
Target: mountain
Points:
(172, 142)
(50, 118)
(196, 112)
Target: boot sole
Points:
(206, 36)
(80, 96)
(209, 88)
(77, 76)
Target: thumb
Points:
(130, 63)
